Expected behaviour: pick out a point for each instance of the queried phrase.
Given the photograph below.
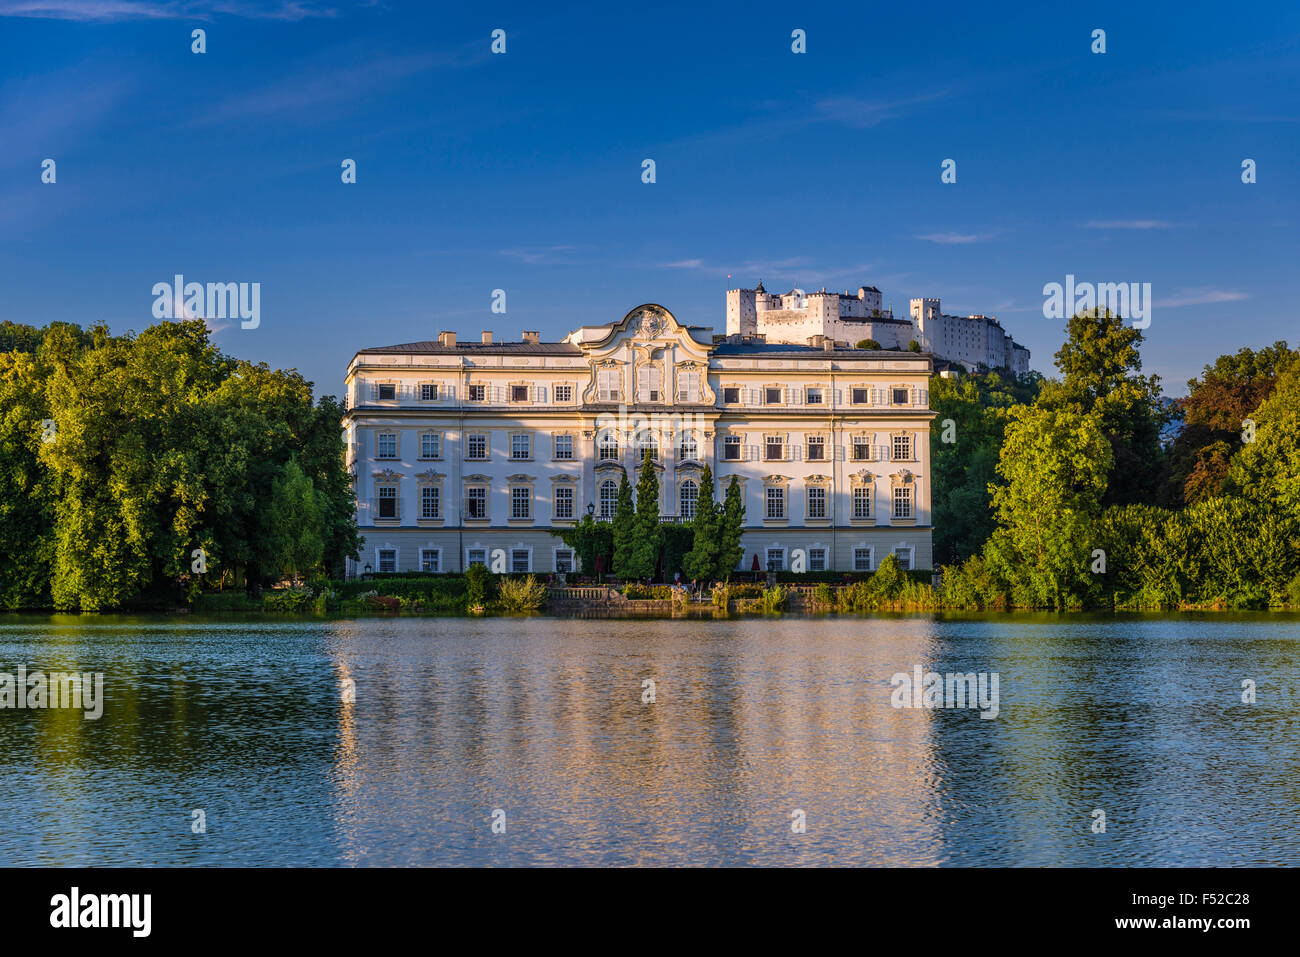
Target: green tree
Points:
(868, 344)
(589, 540)
(1102, 365)
(296, 524)
(733, 525)
(702, 560)
(1054, 462)
(624, 530)
(646, 529)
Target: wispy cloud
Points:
(1200, 297)
(957, 239)
(1131, 224)
(544, 255)
(862, 113)
(110, 10)
(330, 80)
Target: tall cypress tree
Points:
(733, 520)
(647, 532)
(624, 530)
(702, 560)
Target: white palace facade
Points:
(461, 449)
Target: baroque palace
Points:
(461, 449)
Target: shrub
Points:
(647, 591)
(774, 599)
(521, 594)
(823, 595)
(888, 581)
(1293, 591)
(296, 598)
(478, 585)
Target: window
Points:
(388, 559)
(817, 559)
(816, 501)
(816, 448)
(607, 385)
(903, 501)
(607, 446)
(476, 445)
(688, 498)
(564, 502)
(862, 502)
(861, 396)
(689, 449)
(476, 556)
(647, 441)
(775, 501)
(904, 556)
(519, 393)
(386, 445)
(387, 495)
(731, 448)
(731, 395)
(902, 448)
(861, 448)
(776, 559)
(862, 559)
(476, 502)
(521, 502)
(387, 392)
(563, 446)
(430, 560)
(774, 448)
(430, 502)
(814, 396)
(648, 383)
(430, 445)
(564, 393)
(772, 396)
(608, 500)
(901, 396)
(521, 446)
(519, 560)
(428, 392)
(563, 560)
(688, 387)
(478, 393)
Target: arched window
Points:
(608, 499)
(607, 446)
(689, 497)
(689, 449)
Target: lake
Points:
(401, 741)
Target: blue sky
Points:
(522, 171)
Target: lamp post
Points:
(368, 571)
(591, 509)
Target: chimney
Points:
(447, 339)
(531, 336)
(816, 341)
(487, 337)
(828, 344)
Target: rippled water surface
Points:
(543, 719)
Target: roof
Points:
(803, 352)
(479, 348)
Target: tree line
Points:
(130, 464)
(1093, 491)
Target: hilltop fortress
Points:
(845, 318)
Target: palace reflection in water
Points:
(544, 719)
